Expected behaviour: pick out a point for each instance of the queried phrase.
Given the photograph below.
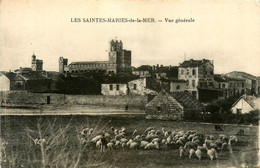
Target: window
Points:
(243, 84)
(111, 87)
(178, 87)
(182, 71)
(231, 85)
(117, 87)
(194, 72)
(188, 72)
(211, 72)
(237, 84)
(219, 85)
(158, 108)
(223, 85)
(193, 83)
(134, 86)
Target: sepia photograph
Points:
(125, 84)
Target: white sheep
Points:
(110, 145)
(181, 149)
(134, 132)
(91, 131)
(212, 153)
(98, 143)
(95, 139)
(133, 145)
(192, 152)
(123, 140)
(156, 140)
(143, 143)
(198, 153)
(150, 146)
(148, 129)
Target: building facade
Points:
(119, 61)
(114, 89)
(36, 64)
(198, 73)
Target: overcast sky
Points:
(227, 33)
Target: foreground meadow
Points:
(64, 147)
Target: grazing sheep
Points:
(198, 153)
(98, 143)
(85, 130)
(138, 138)
(192, 152)
(224, 146)
(91, 131)
(95, 139)
(123, 145)
(117, 143)
(134, 132)
(119, 136)
(150, 146)
(212, 153)
(110, 145)
(133, 145)
(156, 140)
(148, 129)
(181, 149)
(156, 145)
(143, 143)
(123, 140)
(116, 131)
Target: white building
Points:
(245, 104)
(4, 83)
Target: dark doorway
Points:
(48, 99)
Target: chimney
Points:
(161, 65)
(153, 67)
(157, 66)
(170, 67)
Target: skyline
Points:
(224, 32)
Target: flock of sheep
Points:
(190, 143)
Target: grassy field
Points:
(21, 151)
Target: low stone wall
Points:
(27, 98)
(108, 100)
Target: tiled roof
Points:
(175, 80)
(33, 76)
(122, 78)
(250, 100)
(144, 68)
(90, 62)
(165, 99)
(225, 78)
(193, 63)
(13, 76)
(187, 100)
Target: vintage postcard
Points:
(124, 84)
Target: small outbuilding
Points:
(164, 106)
(245, 104)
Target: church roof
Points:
(90, 62)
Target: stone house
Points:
(143, 71)
(25, 79)
(114, 89)
(164, 106)
(174, 85)
(174, 106)
(252, 83)
(189, 103)
(144, 86)
(223, 88)
(245, 104)
(197, 73)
